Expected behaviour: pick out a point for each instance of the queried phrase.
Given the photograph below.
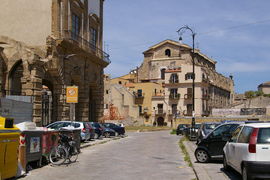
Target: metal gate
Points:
(46, 107)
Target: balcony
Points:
(160, 112)
(188, 96)
(173, 81)
(138, 98)
(158, 96)
(85, 45)
(174, 96)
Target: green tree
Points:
(249, 94)
(258, 93)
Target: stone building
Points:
(170, 63)
(264, 87)
(136, 98)
(47, 45)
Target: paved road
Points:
(143, 156)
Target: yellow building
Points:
(142, 96)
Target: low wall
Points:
(187, 120)
(19, 110)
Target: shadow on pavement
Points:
(231, 174)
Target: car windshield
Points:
(210, 126)
(264, 136)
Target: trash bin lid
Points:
(6, 125)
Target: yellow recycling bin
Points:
(9, 143)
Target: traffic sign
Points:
(72, 94)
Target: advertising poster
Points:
(34, 144)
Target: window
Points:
(168, 52)
(120, 82)
(221, 130)
(174, 94)
(162, 72)
(140, 109)
(75, 31)
(174, 78)
(139, 93)
(245, 134)
(264, 136)
(93, 36)
(173, 91)
(107, 91)
(189, 76)
(174, 109)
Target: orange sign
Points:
(72, 94)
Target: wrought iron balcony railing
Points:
(86, 45)
(174, 96)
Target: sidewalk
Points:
(205, 171)
(99, 141)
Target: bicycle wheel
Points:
(58, 155)
(73, 154)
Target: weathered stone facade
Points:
(170, 63)
(71, 55)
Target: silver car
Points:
(85, 133)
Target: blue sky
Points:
(235, 33)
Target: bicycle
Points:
(65, 150)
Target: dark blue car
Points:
(119, 130)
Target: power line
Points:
(236, 27)
(203, 33)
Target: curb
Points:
(200, 173)
(96, 142)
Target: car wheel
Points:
(245, 175)
(201, 156)
(106, 134)
(225, 163)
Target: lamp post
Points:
(180, 32)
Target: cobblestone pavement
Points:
(143, 156)
(212, 170)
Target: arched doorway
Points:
(160, 121)
(15, 79)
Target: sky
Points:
(235, 33)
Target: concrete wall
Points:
(20, 111)
(28, 21)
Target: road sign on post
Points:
(72, 94)
(72, 98)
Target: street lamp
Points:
(181, 31)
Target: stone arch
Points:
(160, 121)
(15, 79)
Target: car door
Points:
(240, 148)
(216, 140)
(230, 146)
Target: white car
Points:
(248, 151)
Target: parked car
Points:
(119, 130)
(206, 128)
(192, 133)
(98, 130)
(180, 128)
(211, 146)
(248, 151)
(85, 131)
(108, 132)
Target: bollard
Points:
(22, 149)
